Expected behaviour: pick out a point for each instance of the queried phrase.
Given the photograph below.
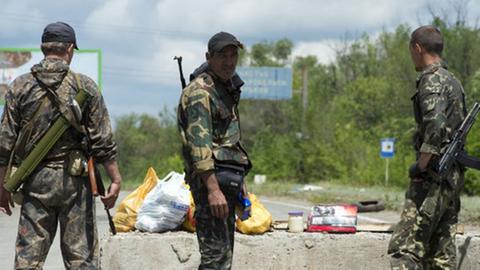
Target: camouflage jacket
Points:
(209, 125)
(50, 84)
(439, 107)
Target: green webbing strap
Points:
(13, 182)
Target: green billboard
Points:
(17, 61)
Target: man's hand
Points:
(415, 173)
(5, 196)
(5, 201)
(216, 199)
(218, 204)
(113, 190)
(418, 169)
(112, 194)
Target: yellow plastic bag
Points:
(190, 223)
(260, 219)
(126, 214)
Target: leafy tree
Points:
(363, 96)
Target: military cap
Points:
(222, 39)
(59, 32)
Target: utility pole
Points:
(304, 121)
(304, 99)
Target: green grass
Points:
(331, 193)
(335, 192)
(343, 193)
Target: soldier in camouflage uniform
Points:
(209, 125)
(56, 192)
(425, 236)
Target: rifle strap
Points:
(76, 109)
(43, 146)
(468, 161)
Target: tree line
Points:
(334, 134)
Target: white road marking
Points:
(299, 206)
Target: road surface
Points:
(279, 209)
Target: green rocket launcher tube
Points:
(13, 182)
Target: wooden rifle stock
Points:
(99, 189)
(92, 178)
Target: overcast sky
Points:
(140, 38)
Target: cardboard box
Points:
(333, 218)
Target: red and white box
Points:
(333, 218)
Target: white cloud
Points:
(112, 12)
(324, 50)
(13, 12)
(140, 38)
(278, 18)
(192, 52)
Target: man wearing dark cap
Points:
(425, 236)
(57, 191)
(215, 160)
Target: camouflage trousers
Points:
(215, 236)
(53, 197)
(425, 236)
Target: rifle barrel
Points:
(180, 69)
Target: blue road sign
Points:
(387, 147)
(266, 82)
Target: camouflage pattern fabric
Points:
(439, 107)
(209, 125)
(25, 95)
(425, 236)
(215, 236)
(51, 195)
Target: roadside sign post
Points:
(387, 151)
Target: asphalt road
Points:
(279, 209)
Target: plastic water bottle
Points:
(246, 206)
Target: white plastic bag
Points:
(165, 206)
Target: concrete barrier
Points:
(276, 250)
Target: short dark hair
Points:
(54, 47)
(429, 37)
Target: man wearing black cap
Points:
(215, 160)
(57, 191)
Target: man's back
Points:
(38, 98)
(439, 106)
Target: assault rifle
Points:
(455, 150)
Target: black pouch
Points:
(230, 177)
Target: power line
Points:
(152, 69)
(153, 73)
(96, 26)
(126, 75)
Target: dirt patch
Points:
(276, 250)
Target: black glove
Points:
(415, 172)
